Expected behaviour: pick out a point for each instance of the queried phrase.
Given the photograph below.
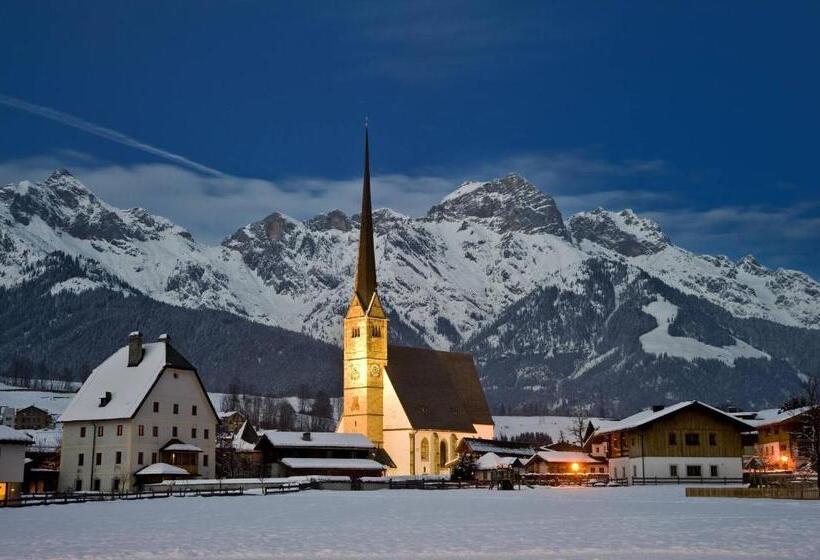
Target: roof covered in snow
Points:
(491, 461)
(780, 417)
(335, 464)
(502, 448)
(179, 446)
(162, 469)
(10, 435)
(316, 439)
(551, 456)
(650, 415)
(128, 386)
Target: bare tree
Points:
(807, 436)
(580, 420)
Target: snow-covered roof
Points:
(320, 464)
(162, 469)
(551, 456)
(47, 438)
(10, 435)
(128, 385)
(500, 448)
(317, 439)
(779, 417)
(649, 415)
(182, 447)
(491, 461)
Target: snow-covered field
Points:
(584, 523)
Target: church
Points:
(414, 404)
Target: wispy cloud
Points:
(103, 132)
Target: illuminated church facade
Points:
(415, 404)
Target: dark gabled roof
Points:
(438, 390)
(33, 408)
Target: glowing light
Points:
(575, 467)
(784, 459)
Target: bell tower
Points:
(365, 334)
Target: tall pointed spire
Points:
(365, 285)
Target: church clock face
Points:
(375, 371)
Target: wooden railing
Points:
(775, 493)
(642, 481)
(82, 497)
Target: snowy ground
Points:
(568, 523)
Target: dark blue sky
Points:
(704, 116)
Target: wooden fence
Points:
(775, 493)
(82, 497)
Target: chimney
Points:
(306, 436)
(658, 407)
(135, 350)
(164, 337)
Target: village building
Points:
(12, 462)
(7, 414)
(416, 404)
(493, 468)
(32, 418)
(318, 453)
(236, 453)
(676, 443)
(776, 448)
(575, 462)
(42, 461)
(231, 421)
(143, 405)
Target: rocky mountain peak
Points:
(507, 204)
(333, 220)
(624, 232)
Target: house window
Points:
(119, 429)
(205, 460)
(98, 459)
(693, 470)
(425, 450)
(153, 458)
(155, 431)
(96, 484)
(99, 431)
(712, 439)
(692, 438)
(673, 438)
(80, 459)
(139, 458)
(156, 406)
(174, 431)
(141, 430)
(115, 484)
(673, 471)
(78, 485)
(193, 410)
(82, 431)
(713, 470)
(205, 433)
(193, 433)
(118, 458)
(634, 470)
(176, 408)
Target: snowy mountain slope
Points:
(492, 269)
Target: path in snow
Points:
(567, 523)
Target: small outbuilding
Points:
(12, 462)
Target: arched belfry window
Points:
(355, 332)
(425, 450)
(375, 331)
(453, 446)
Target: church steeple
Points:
(365, 285)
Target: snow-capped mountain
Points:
(555, 312)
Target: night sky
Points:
(701, 115)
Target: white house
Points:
(682, 442)
(12, 462)
(143, 405)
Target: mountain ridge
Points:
(448, 278)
